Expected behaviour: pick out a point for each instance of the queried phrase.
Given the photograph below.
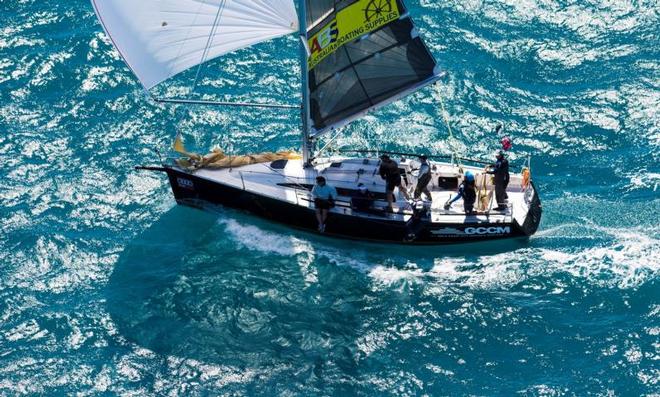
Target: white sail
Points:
(161, 38)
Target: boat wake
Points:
(601, 256)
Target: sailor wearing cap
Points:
(500, 171)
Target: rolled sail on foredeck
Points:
(161, 38)
(364, 53)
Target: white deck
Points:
(347, 173)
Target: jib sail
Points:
(161, 38)
(363, 54)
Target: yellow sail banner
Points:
(358, 19)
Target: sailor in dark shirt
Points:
(500, 171)
(467, 192)
(389, 170)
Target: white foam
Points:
(27, 330)
(624, 258)
(643, 180)
(58, 265)
(487, 272)
(45, 73)
(97, 77)
(389, 275)
(256, 239)
(628, 261)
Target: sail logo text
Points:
(488, 230)
(185, 183)
(325, 37)
(472, 231)
(348, 25)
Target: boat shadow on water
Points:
(237, 290)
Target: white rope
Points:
(209, 41)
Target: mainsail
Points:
(161, 38)
(363, 54)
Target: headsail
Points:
(161, 38)
(364, 54)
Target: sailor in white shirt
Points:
(423, 179)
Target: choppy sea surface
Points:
(107, 287)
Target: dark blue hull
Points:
(193, 191)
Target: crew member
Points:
(500, 170)
(468, 192)
(423, 179)
(389, 170)
(324, 198)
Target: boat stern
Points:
(535, 210)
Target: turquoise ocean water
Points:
(107, 287)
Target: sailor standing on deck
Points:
(500, 170)
(324, 198)
(423, 179)
(389, 170)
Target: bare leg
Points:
(390, 200)
(319, 217)
(324, 217)
(403, 191)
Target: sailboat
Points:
(356, 56)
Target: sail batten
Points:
(161, 38)
(365, 54)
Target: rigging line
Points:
(452, 140)
(209, 41)
(330, 142)
(218, 15)
(184, 101)
(179, 114)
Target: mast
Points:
(307, 143)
